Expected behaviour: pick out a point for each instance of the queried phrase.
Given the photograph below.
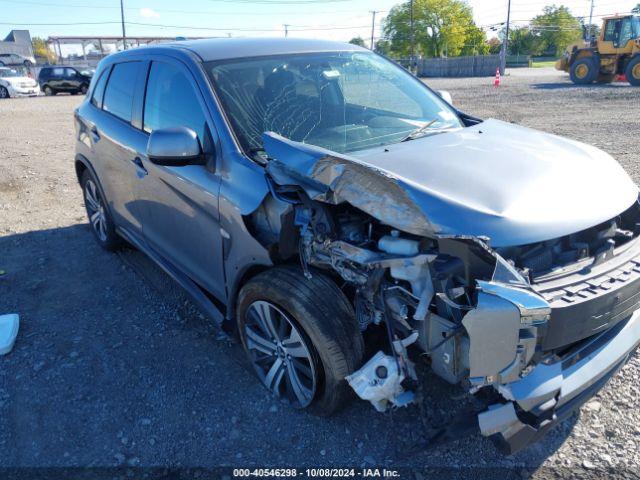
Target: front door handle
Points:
(94, 133)
(139, 165)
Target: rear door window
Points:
(118, 95)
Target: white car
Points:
(16, 84)
(16, 59)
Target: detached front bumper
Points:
(553, 390)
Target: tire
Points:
(4, 93)
(48, 91)
(84, 89)
(583, 71)
(632, 72)
(27, 63)
(328, 331)
(100, 220)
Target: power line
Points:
(183, 11)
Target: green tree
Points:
(522, 41)
(383, 47)
(475, 42)
(556, 28)
(42, 50)
(441, 27)
(357, 41)
(495, 45)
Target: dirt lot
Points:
(113, 366)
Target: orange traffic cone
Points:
(496, 82)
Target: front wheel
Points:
(48, 91)
(301, 337)
(632, 71)
(583, 71)
(83, 89)
(4, 93)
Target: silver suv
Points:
(327, 203)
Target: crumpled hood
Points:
(512, 184)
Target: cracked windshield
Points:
(342, 101)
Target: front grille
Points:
(585, 308)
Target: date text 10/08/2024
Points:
(316, 473)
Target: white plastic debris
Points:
(378, 381)
(9, 325)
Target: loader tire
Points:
(632, 71)
(583, 71)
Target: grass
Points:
(546, 64)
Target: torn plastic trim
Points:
(503, 332)
(331, 178)
(551, 392)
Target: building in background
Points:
(19, 42)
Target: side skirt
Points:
(197, 295)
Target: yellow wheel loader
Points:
(615, 52)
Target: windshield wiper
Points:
(418, 131)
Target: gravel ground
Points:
(113, 366)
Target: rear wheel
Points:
(100, 221)
(4, 93)
(84, 88)
(583, 71)
(301, 337)
(632, 71)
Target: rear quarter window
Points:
(98, 91)
(118, 95)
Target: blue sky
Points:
(332, 19)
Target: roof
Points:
(226, 48)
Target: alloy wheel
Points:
(95, 209)
(279, 353)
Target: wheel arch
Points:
(249, 272)
(585, 53)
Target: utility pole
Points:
(124, 33)
(412, 37)
(505, 41)
(373, 25)
(286, 30)
(590, 25)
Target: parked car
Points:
(54, 80)
(16, 59)
(320, 198)
(14, 83)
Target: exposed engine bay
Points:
(478, 314)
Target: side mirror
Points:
(446, 96)
(174, 147)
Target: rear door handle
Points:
(139, 165)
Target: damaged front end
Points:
(480, 320)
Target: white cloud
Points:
(149, 13)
